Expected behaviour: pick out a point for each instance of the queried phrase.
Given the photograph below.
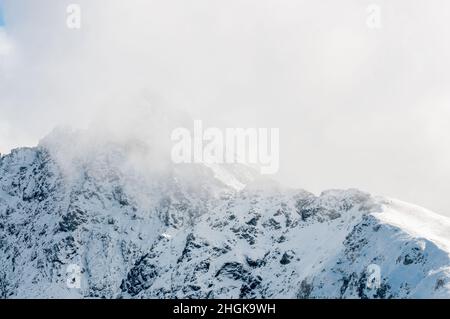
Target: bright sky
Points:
(1, 16)
(356, 107)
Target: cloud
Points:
(356, 107)
(5, 44)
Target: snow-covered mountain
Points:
(139, 229)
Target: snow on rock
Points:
(417, 221)
(193, 231)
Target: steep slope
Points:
(201, 232)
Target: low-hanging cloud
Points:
(356, 107)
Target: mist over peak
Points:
(224, 149)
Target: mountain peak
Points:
(139, 230)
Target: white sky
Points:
(356, 107)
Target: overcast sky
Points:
(356, 106)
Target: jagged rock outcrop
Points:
(182, 232)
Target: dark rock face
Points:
(237, 272)
(140, 277)
(305, 289)
(287, 257)
(72, 220)
(192, 245)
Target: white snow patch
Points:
(225, 177)
(417, 221)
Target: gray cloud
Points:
(356, 107)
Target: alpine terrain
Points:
(135, 228)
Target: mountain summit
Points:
(138, 226)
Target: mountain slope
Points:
(194, 231)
